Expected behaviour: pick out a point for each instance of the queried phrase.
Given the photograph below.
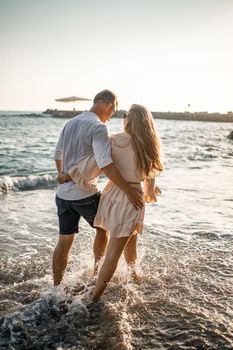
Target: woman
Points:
(136, 154)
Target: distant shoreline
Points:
(197, 116)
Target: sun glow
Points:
(175, 56)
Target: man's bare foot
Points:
(96, 269)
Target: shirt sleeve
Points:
(102, 146)
(59, 148)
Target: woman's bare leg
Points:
(130, 253)
(99, 247)
(114, 250)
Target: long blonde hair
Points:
(145, 141)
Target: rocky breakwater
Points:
(61, 114)
(197, 116)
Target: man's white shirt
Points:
(82, 136)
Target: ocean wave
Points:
(25, 183)
(23, 114)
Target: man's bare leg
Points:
(60, 257)
(99, 246)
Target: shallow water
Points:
(185, 297)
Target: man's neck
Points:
(97, 112)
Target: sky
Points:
(168, 55)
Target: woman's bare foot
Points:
(134, 275)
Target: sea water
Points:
(185, 297)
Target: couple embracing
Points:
(85, 149)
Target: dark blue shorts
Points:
(69, 212)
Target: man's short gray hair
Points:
(106, 96)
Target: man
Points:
(81, 137)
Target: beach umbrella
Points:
(72, 99)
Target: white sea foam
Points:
(8, 183)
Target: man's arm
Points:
(58, 165)
(102, 151)
(58, 153)
(134, 195)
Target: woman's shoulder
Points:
(121, 139)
